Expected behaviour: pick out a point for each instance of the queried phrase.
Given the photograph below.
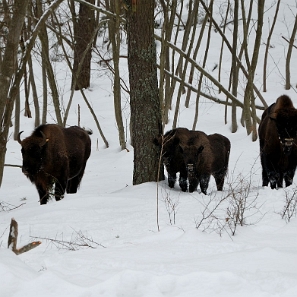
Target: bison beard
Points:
(277, 135)
(55, 156)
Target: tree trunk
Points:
(289, 54)
(48, 66)
(9, 88)
(249, 102)
(7, 71)
(146, 120)
(199, 88)
(234, 66)
(114, 36)
(268, 45)
(84, 27)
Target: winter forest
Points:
(129, 71)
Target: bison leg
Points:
(269, 174)
(204, 184)
(73, 184)
(193, 182)
(220, 178)
(265, 179)
(60, 186)
(43, 194)
(274, 179)
(183, 180)
(171, 179)
(289, 175)
(183, 184)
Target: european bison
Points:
(278, 135)
(172, 156)
(206, 155)
(54, 155)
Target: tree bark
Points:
(146, 120)
(48, 66)
(267, 47)
(7, 71)
(234, 66)
(249, 99)
(84, 27)
(9, 87)
(114, 36)
(289, 54)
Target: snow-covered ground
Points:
(104, 240)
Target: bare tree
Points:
(234, 65)
(11, 73)
(249, 97)
(15, 19)
(146, 120)
(84, 26)
(114, 30)
(289, 54)
(268, 46)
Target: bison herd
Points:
(196, 156)
(57, 156)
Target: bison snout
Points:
(190, 167)
(289, 142)
(287, 145)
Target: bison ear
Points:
(273, 116)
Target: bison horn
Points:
(44, 139)
(19, 138)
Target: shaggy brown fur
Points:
(172, 156)
(54, 155)
(278, 140)
(205, 156)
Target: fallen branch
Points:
(4, 206)
(79, 240)
(13, 238)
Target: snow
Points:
(104, 240)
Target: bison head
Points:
(286, 125)
(191, 154)
(32, 152)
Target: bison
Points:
(278, 139)
(172, 156)
(206, 155)
(55, 156)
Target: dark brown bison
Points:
(278, 139)
(55, 156)
(206, 155)
(172, 156)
